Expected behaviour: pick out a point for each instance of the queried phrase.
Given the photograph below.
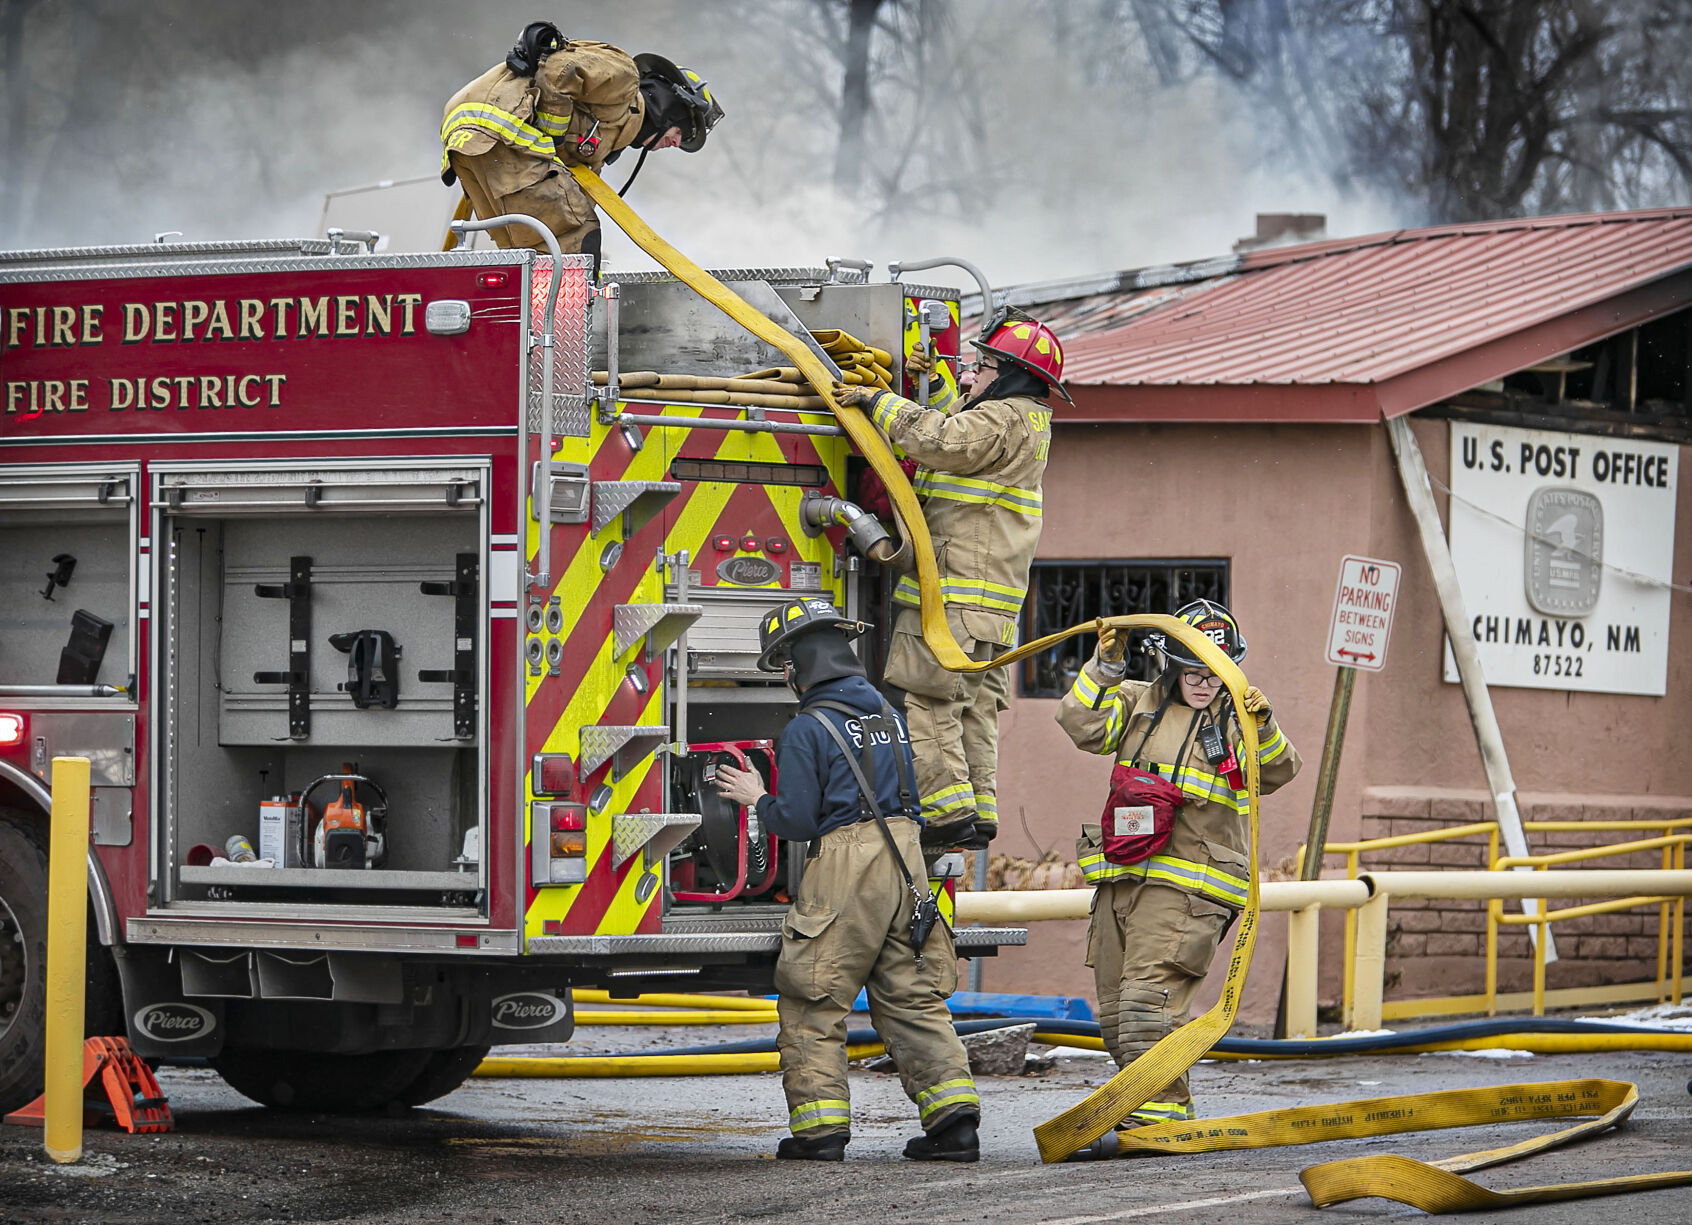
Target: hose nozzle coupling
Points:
(863, 529)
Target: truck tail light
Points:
(11, 730)
(552, 774)
(557, 843)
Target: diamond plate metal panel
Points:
(641, 499)
(776, 276)
(663, 622)
(630, 831)
(620, 744)
(570, 417)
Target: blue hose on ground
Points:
(1261, 1048)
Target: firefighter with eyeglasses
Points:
(1165, 899)
(862, 917)
(510, 136)
(981, 464)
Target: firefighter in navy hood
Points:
(510, 136)
(851, 923)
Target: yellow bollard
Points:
(67, 958)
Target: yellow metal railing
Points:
(1673, 847)
(1667, 982)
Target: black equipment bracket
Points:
(297, 591)
(465, 589)
(372, 667)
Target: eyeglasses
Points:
(1201, 678)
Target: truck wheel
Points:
(445, 1071)
(311, 1082)
(23, 962)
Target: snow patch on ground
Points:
(1494, 1054)
(1656, 1016)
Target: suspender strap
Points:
(889, 722)
(868, 792)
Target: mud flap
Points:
(162, 1022)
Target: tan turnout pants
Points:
(1150, 947)
(953, 719)
(848, 929)
(558, 201)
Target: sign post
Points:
(1364, 599)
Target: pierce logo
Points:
(174, 1022)
(748, 571)
(528, 1010)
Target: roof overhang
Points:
(1366, 403)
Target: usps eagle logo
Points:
(1565, 551)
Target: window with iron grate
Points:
(1066, 593)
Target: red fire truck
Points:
(401, 644)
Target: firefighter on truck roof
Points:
(1158, 919)
(979, 478)
(863, 917)
(511, 135)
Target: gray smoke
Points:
(235, 120)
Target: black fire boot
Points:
(956, 1141)
(818, 1148)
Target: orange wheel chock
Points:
(127, 1091)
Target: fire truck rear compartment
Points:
(308, 643)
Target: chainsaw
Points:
(349, 834)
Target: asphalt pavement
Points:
(505, 1152)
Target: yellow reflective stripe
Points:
(1091, 692)
(987, 806)
(826, 1112)
(948, 799)
(887, 406)
(551, 124)
(978, 592)
(496, 122)
(1211, 788)
(932, 484)
(947, 1094)
(1275, 744)
(1202, 878)
(1163, 1112)
(1170, 870)
(1096, 868)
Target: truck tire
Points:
(313, 1082)
(445, 1071)
(23, 962)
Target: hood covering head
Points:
(822, 655)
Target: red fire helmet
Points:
(1027, 342)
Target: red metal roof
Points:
(1350, 329)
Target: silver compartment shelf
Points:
(664, 831)
(638, 500)
(332, 878)
(660, 624)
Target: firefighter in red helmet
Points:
(1165, 902)
(511, 135)
(979, 479)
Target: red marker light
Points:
(751, 543)
(775, 544)
(11, 729)
(569, 817)
(492, 280)
(723, 544)
(551, 774)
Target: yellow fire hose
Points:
(1429, 1187)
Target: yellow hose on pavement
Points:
(668, 999)
(1429, 1187)
(606, 1016)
